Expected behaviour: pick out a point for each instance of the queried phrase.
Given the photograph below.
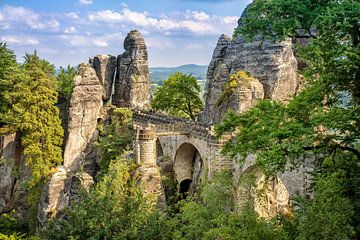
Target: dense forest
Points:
(323, 120)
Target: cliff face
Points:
(12, 194)
(273, 64)
(132, 82)
(92, 90)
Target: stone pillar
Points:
(147, 141)
(145, 155)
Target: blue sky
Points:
(70, 31)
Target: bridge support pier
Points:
(145, 143)
(145, 155)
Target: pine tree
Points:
(34, 115)
(9, 71)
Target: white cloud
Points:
(100, 43)
(124, 5)
(199, 16)
(19, 16)
(19, 40)
(106, 16)
(85, 2)
(72, 15)
(194, 22)
(71, 29)
(230, 19)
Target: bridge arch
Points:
(188, 165)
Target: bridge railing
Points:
(172, 124)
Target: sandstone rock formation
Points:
(12, 194)
(132, 82)
(105, 67)
(80, 153)
(85, 105)
(93, 88)
(7, 150)
(273, 64)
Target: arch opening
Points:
(188, 166)
(159, 152)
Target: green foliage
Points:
(13, 228)
(329, 206)
(331, 29)
(9, 74)
(179, 96)
(33, 113)
(116, 138)
(233, 83)
(17, 236)
(10, 223)
(211, 216)
(323, 120)
(65, 80)
(114, 209)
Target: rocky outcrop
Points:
(273, 64)
(105, 67)
(85, 105)
(13, 174)
(240, 92)
(7, 163)
(80, 153)
(132, 82)
(93, 88)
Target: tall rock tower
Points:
(273, 64)
(88, 110)
(132, 81)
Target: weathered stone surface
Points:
(105, 67)
(151, 186)
(7, 162)
(54, 198)
(12, 194)
(273, 64)
(132, 82)
(247, 93)
(84, 114)
(85, 105)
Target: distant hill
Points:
(158, 74)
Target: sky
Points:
(66, 32)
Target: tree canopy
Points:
(32, 114)
(179, 95)
(323, 119)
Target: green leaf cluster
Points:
(30, 94)
(322, 120)
(113, 209)
(179, 95)
(65, 80)
(116, 138)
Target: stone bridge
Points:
(193, 152)
(192, 148)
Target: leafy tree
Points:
(324, 118)
(328, 216)
(304, 124)
(9, 73)
(65, 80)
(33, 113)
(116, 138)
(179, 95)
(114, 209)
